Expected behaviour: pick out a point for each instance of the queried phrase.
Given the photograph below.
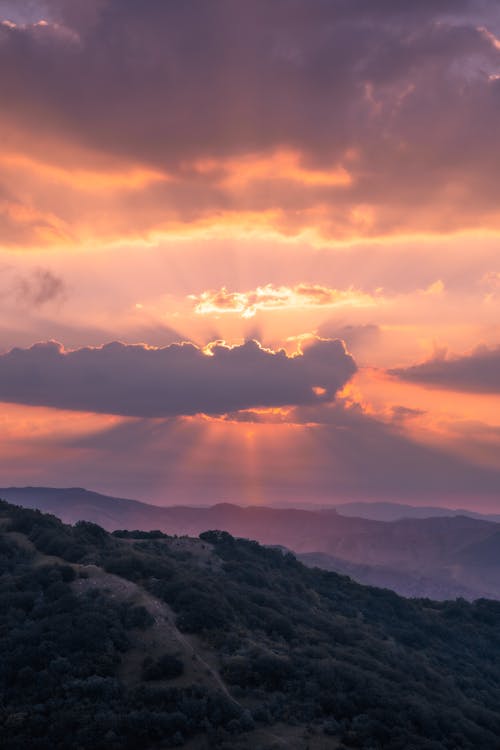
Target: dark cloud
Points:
(390, 90)
(40, 287)
(173, 380)
(402, 413)
(478, 372)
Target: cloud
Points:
(136, 380)
(402, 413)
(477, 372)
(340, 119)
(270, 297)
(40, 287)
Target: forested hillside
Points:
(139, 639)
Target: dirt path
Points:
(163, 636)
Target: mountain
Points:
(75, 503)
(438, 584)
(139, 639)
(415, 557)
(379, 511)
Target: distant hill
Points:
(435, 557)
(379, 511)
(73, 504)
(436, 584)
(143, 640)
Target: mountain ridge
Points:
(442, 556)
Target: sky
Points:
(250, 251)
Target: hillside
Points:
(145, 640)
(428, 557)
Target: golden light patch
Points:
(318, 390)
(270, 297)
(494, 41)
(29, 423)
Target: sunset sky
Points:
(250, 251)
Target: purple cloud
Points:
(40, 287)
(180, 379)
(387, 90)
(477, 372)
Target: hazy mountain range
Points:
(379, 511)
(440, 557)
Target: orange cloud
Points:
(80, 178)
(23, 224)
(325, 138)
(70, 197)
(282, 164)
